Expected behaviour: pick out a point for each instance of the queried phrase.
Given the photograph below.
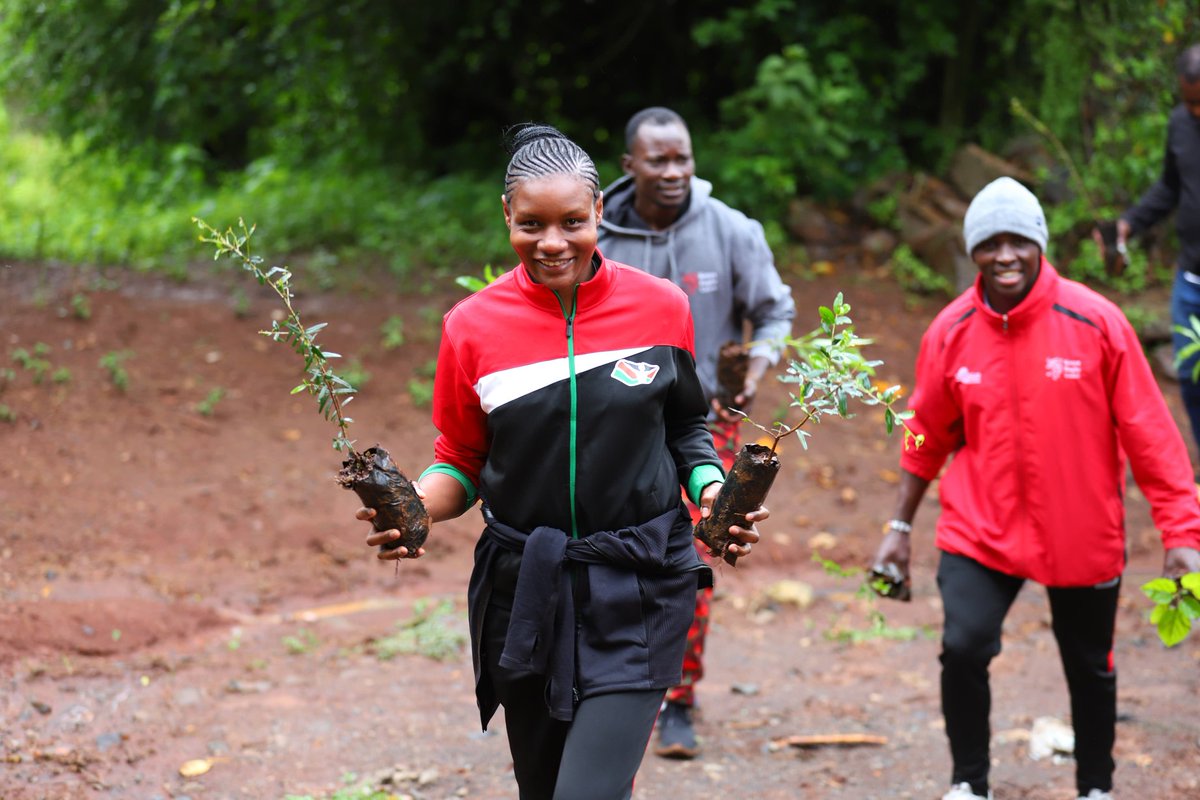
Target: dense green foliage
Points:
(364, 128)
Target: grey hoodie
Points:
(716, 254)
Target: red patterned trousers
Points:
(727, 439)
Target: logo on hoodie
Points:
(634, 373)
(699, 282)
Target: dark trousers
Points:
(593, 757)
(976, 600)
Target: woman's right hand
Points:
(377, 538)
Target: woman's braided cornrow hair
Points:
(541, 150)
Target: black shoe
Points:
(676, 738)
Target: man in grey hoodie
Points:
(662, 219)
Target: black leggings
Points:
(593, 757)
(976, 600)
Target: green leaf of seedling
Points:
(300, 388)
(827, 317)
(1160, 590)
(1173, 626)
(470, 283)
(1190, 607)
(889, 420)
(1191, 582)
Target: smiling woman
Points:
(567, 401)
(552, 225)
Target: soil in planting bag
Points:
(744, 491)
(732, 363)
(381, 486)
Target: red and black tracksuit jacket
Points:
(583, 414)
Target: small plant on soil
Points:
(830, 372)
(434, 631)
(33, 362)
(870, 589)
(113, 363)
(302, 642)
(7, 414)
(208, 406)
(371, 474)
(391, 332)
(81, 309)
(356, 375)
(1176, 606)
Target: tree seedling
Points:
(473, 284)
(1176, 606)
(830, 372)
(869, 586)
(371, 473)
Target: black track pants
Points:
(976, 600)
(593, 757)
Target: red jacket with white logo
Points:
(1040, 408)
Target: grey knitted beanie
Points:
(1004, 206)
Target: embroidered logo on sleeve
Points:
(965, 375)
(1067, 369)
(634, 373)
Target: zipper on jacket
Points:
(570, 318)
(1003, 320)
(1015, 395)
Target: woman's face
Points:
(1009, 265)
(552, 223)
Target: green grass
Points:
(135, 209)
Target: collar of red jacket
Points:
(591, 292)
(1039, 298)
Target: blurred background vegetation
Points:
(359, 130)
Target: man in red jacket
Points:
(1038, 388)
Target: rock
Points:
(811, 224)
(790, 592)
(1050, 737)
(106, 741)
(929, 216)
(972, 168)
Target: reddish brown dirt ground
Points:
(179, 586)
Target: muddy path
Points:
(190, 590)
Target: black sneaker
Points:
(676, 738)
